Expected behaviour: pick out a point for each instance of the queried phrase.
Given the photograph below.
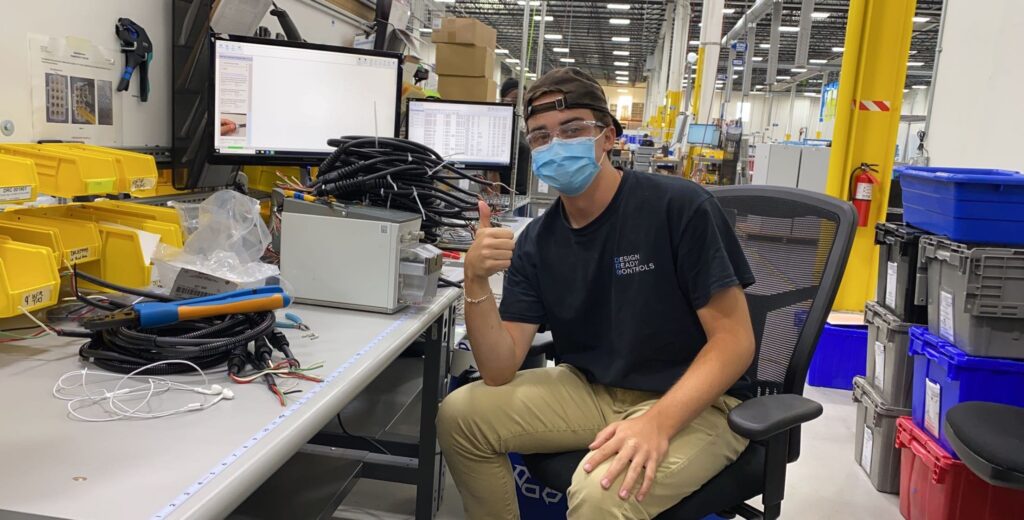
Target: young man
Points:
(639, 277)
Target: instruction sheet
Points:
(73, 90)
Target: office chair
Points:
(989, 439)
(797, 243)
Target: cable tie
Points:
(418, 203)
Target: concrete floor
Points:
(825, 484)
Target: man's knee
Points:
(589, 499)
(459, 411)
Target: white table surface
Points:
(52, 466)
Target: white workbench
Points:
(52, 466)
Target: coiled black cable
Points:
(400, 174)
(207, 342)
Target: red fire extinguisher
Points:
(862, 187)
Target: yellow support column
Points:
(867, 119)
(673, 101)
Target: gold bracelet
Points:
(475, 300)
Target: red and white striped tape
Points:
(872, 105)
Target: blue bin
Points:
(970, 205)
(945, 376)
(839, 357)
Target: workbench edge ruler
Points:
(198, 484)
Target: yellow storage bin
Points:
(170, 234)
(65, 172)
(28, 278)
(36, 235)
(158, 213)
(80, 239)
(136, 172)
(121, 259)
(18, 179)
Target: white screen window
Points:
(474, 134)
(271, 99)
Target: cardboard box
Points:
(457, 59)
(463, 88)
(468, 31)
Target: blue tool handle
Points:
(155, 314)
(219, 298)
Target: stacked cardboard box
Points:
(465, 59)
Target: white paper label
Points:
(932, 405)
(863, 191)
(868, 449)
(542, 186)
(194, 284)
(76, 255)
(15, 192)
(36, 297)
(879, 378)
(946, 315)
(143, 183)
(890, 285)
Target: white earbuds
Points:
(111, 401)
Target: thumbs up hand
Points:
(491, 250)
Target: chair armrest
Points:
(762, 417)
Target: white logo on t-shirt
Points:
(631, 264)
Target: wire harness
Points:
(400, 174)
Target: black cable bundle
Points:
(207, 342)
(400, 174)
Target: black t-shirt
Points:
(620, 295)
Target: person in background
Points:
(509, 93)
(646, 140)
(640, 279)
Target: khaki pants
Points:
(550, 410)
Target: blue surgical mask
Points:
(567, 165)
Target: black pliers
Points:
(138, 52)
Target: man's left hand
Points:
(639, 443)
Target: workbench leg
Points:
(430, 473)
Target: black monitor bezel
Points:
(472, 165)
(299, 158)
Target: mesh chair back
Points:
(797, 243)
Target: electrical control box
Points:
(355, 257)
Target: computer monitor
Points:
(278, 102)
(703, 135)
(472, 135)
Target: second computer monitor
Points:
(704, 135)
(470, 134)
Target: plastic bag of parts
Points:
(222, 253)
(188, 216)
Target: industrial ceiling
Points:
(587, 33)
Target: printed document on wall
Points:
(73, 94)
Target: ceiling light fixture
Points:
(737, 68)
(521, 2)
(560, 49)
(729, 10)
(500, 51)
(789, 29)
(622, 82)
(783, 78)
(621, 63)
(913, 52)
(620, 7)
(817, 61)
(546, 18)
(511, 60)
(919, 86)
(426, 30)
(764, 46)
(620, 39)
(621, 53)
(915, 63)
(622, 72)
(819, 15)
(798, 69)
(568, 60)
(837, 49)
(622, 91)
(920, 19)
(552, 36)
(694, 42)
(619, 21)
(811, 94)
(757, 58)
